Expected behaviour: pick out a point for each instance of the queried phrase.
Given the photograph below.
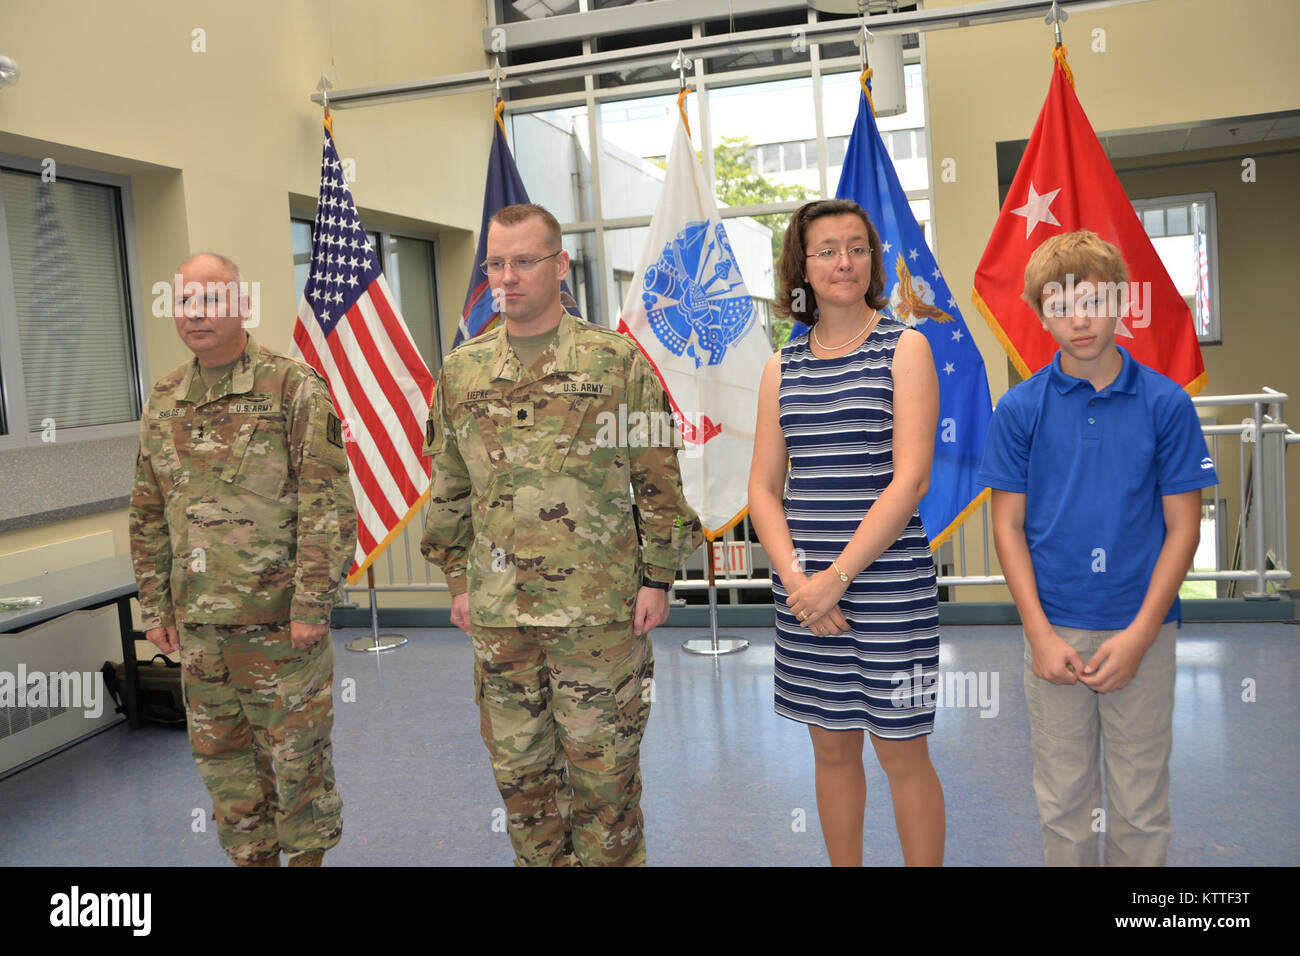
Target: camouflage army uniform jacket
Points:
(540, 506)
(242, 509)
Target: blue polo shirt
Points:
(1093, 467)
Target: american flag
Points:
(350, 330)
(1202, 283)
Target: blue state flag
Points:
(919, 297)
(504, 188)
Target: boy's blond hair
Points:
(1079, 254)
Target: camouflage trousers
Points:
(259, 714)
(563, 711)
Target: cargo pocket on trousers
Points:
(305, 692)
(328, 807)
(632, 710)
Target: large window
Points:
(631, 131)
(1184, 231)
(551, 140)
(623, 249)
(584, 275)
(754, 119)
(68, 352)
(409, 265)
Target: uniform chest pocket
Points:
(574, 440)
(166, 462)
(259, 459)
(477, 424)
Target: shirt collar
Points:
(1125, 381)
(191, 387)
(560, 356)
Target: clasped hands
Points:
(814, 600)
(1114, 664)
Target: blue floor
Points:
(727, 782)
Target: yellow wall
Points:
(1259, 236)
(216, 143)
(219, 144)
(1166, 62)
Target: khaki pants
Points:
(1068, 725)
(551, 697)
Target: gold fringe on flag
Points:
(867, 74)
(1058, 54)
(498, 111)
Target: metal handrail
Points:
(1252, 431)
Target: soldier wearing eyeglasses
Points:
(559, 539)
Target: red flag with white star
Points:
(1066, 183)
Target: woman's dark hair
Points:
(792, 270)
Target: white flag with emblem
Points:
(690, 312)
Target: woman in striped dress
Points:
(851, 410)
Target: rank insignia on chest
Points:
(521, 413)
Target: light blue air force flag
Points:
(919, 296)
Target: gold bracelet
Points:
(843, 576)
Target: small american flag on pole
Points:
(1202, 284)
(350, 331)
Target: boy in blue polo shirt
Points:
(1096, 465)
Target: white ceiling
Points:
(1206, 135)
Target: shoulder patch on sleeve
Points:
(325, 440)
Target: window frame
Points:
(1215, 334)
(13, 392)
(816, 68)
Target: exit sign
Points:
(731, 557)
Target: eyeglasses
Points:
(494, 267)
(857, 253)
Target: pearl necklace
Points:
(831, 348)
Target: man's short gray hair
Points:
(226, 263)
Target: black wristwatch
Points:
(661, 585)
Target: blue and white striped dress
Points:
(837, 415)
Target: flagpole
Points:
(1056, 16)
(324, 86)
(377, 642)
(713, 645)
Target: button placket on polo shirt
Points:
(1091, 428)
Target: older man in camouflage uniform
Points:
(242, 522)
(559, 538)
